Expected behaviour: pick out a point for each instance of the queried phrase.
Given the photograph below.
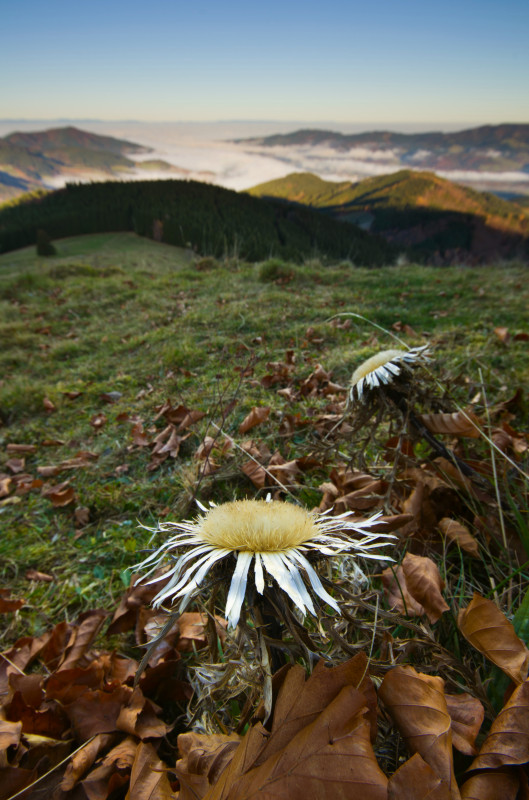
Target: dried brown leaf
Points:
(502, 333)
(7, 604)
(82, 760)
(492, 785)
(60, 495)
(113, 771)
(456, 424)
(425, 584)
(10, 733)
(203, 759)
(256, 473)
(460, 534)
(16, 465)
(300, 701)
(24, 449)
(148, 777)
(14, 779)
(507, 742)
(331, 758)
(82, 637)
(397, 593)
(418, 706)
(257, 415)
(35, 575)
(467, 715)
(98, 421)
(97, 711)
(416, 780)
(138, 717)
(139, 437)
(489, 631)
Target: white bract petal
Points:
(238, 588)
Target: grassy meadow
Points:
(137, 378)
(98, 338)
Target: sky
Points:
(432, 63)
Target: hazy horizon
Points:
(207, 152)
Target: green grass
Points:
(117, 313)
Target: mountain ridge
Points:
(31, 161)
(487, 149)
(420, 210)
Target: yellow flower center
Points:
(257, 525)
(373, 363)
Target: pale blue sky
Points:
(401, 61)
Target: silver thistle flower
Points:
(276, 536)
(382, 369)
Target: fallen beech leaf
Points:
(16, 465)
(489, 631)
(23, 449)
(456, 424)
(502, 334)
(203, 758)
(257, 415)
(82, 759)
(424, 584)
(460, 534)
(126, 615)
(148, 778)
(113, 771)
(467, 715)
(397, 593)
(10, 733)
(138, 718)
(418, 706)
(82, 516)
(96, 711)
(49, 471)
(300, 701)
(48, 405)
(492, 785)
(193, 630)
(329, 758)
(139, 437)
(98, 421)
(7, 604)
(6, 484)
(416, 780)
(82, 637)
(256, 473)
(14, 779)
(507, 742)
(35, 575)
(60, 495)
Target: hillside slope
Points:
(442, 220)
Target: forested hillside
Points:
(209, 219)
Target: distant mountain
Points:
(70, 137)
(30, 161)
(490, 148)
(439, 220)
